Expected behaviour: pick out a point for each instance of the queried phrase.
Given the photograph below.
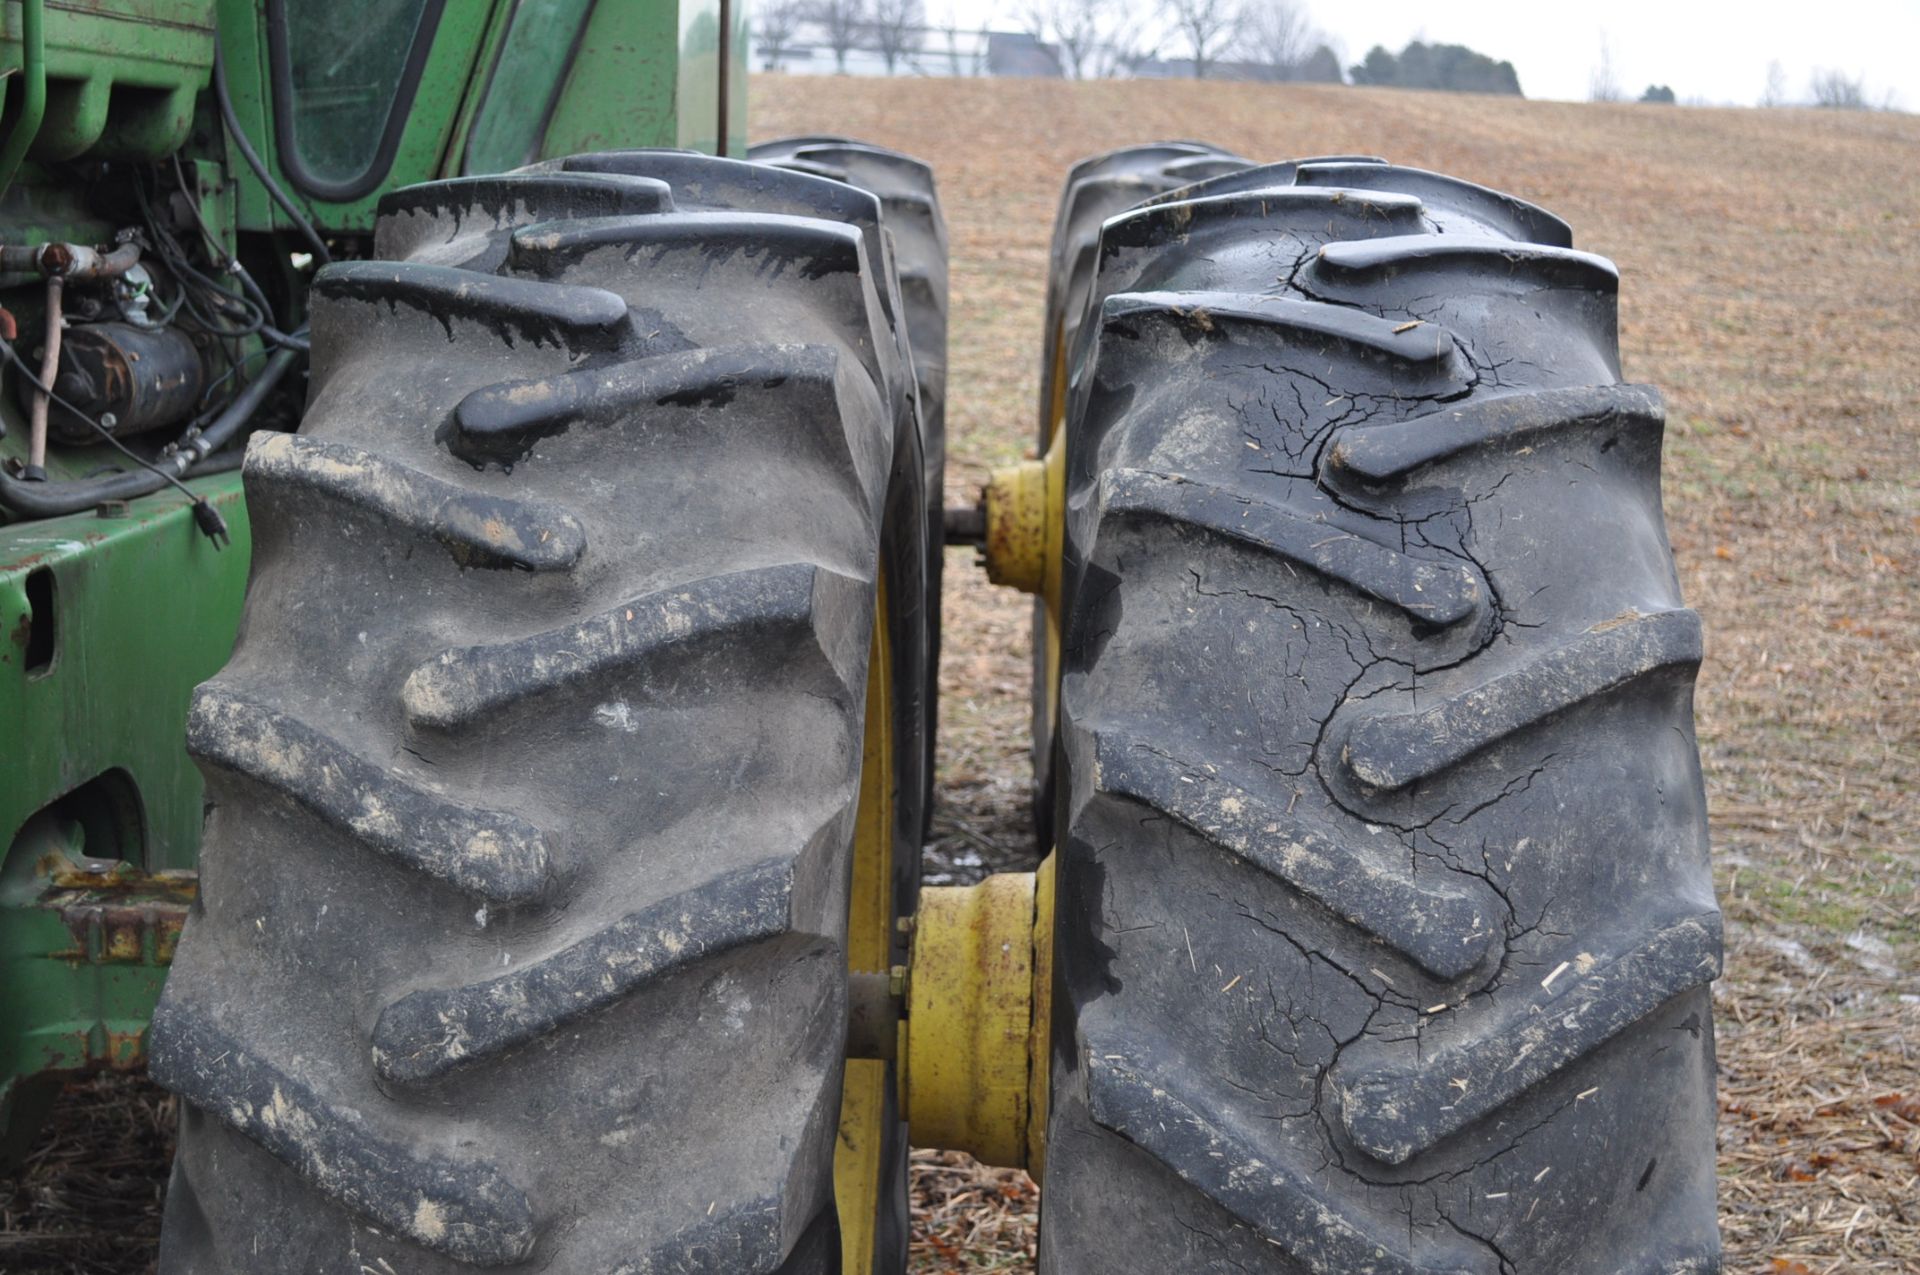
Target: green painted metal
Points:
(425, 140)
(100, 805)
(31, 213)
(26, 55)
(122, 76)
(649, 75)
(528, 70)
(83, 952)
(145, 607)
(639, 73)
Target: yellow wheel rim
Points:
(860, 1171)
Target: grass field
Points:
(1770, 267)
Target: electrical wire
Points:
(198, 421)
(205, 516)
(202, 303)
(214, 246)
(106, 434)
(231, 263)
(206, 305)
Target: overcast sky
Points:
(1718, 51)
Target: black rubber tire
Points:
(1385, 927)
(1096, 188)
(521, 939)
(910, 210)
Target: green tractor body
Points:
(114, 608)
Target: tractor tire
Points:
(522, 937)
(1385, 928)
(1096, 189)
(910, 210)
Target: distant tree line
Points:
(1453, 67)
(1206, 39)
(1270, 40)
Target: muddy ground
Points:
(1770, 267)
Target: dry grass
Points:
(1771, 288)
(87, 1200)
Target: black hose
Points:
(260, 315)
(244, 405)
(259, 166)
(220, 463)
(52, 500)
(286, 340)
(233, 264)
(173, 256)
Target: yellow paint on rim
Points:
(1057, 406)
(1056, 444)
(1026, 538)
(859, 1170)
(1040, 1035)
(970, 1018)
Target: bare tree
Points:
(1076, 27)
(1096, 39)
(1775, 94)
(1838, 91)
(949, 26)
(774, 24)
(1208, 26)
(1281, 36)
(1121, 51)
(896, 29)
(1604, 84)
(843, 20)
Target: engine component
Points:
(129, 378)
(70, 261)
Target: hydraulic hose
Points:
(231, 119)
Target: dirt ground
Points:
(1770, 285)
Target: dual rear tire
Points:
(541, 774)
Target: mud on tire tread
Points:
(1385, 925)
(532, 778)
(910, 209)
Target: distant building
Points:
(1182, 69)
(1320, 67)
(1022, 56)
